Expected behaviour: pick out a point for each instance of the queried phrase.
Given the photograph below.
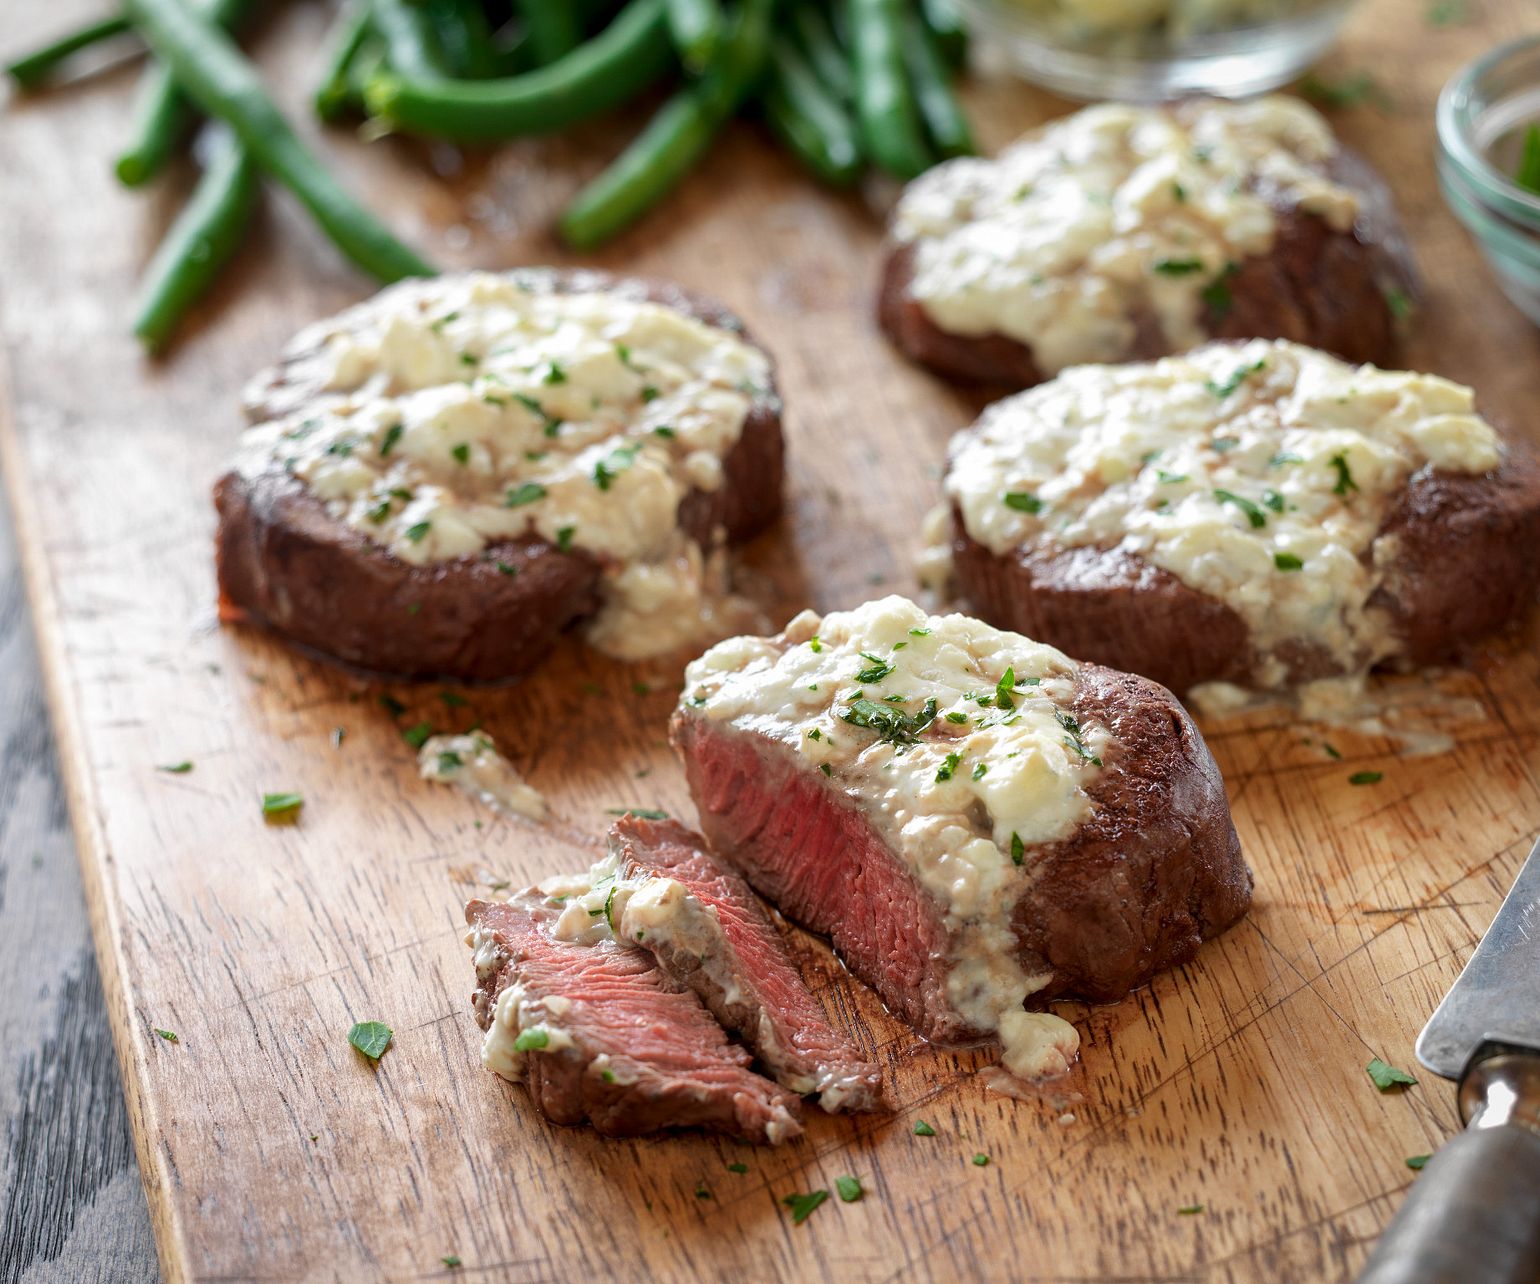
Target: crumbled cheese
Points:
(1259, 474)
(472, 409)
(1112, 218)
(963, 791)
(471, 763)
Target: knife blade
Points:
(1473, 1216)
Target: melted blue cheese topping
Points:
(471, 409)
(1259, 474)
(1070, 236)
(959, 742)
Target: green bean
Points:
(660, 156)
(411, 43)
(612, 68)
(31, 70)
(349, 34)
(947, 29)
(210, 67)
(553, 28)
(204, 236)
(810, 26)
(885, 106)
(809, 119)
(696, 27)
(465, 36)
(162, 115)
(939, 109)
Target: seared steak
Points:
(708, 932)
(600, 1035)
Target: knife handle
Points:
(1473, 1217)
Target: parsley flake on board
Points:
(1191, 1210)
(737, 1168)
(282, 806)
(371, 1038)
(450, 1260)
(1417, 1162)
(980, 1160)
(168, 1035)
(923, 1129)
(175, 768)
(849, 1188)
(526, 493)
(417, 735)
(1022, 501)
(1387, 1076)
(1366, 777)
(802, 1206)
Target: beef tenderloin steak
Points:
(440, 481)
(974, 819)
(1256, 514)
(1124, 233)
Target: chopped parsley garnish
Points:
(1287, 562)
(418, 531)
(1272, 499)
(1236, 377)
(168, 1035)
(663, 430)
(980, 1160)
(613, 464)
(342, 449)
(1345, 480)
(1005, 688)
(1169, 479)
(877, 669)
(1527, 175)
(650, 393)
(437, 326)
(802, 1206)
(815, 644)
(462, 453)
(370, 1037)
(893, 726)
(551, 425)
(469, 359)
(957, 717)
(609, 908)
(624, 353)
(1018, 849)
(1366, 777)
(979, 770)
(815, 734)
(449, 760)
(1072, 738)
(1285, 457)
(641, 813)
(826, 769)
(555, 374)
(524, 493)
(392, 706)
(1417, 1162)
(531, 1040)
(175, 768)
(417, 735)
(1331, 750)
(702, 1191)
(450, 1260)
(507, 568)
(923, 1129)
(1190, 1210)
(1178, 267)
(948, 767)
(1022, 502)
(379, 512)
(1254, 513)
(849, 1188)
(919, 633)
(1387, 1076)
(564, 538)
(1399, 301)
(392, 436)
(282, 805)
(737, 1168)
(1216, 294)
(1179, 192)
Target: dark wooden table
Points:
(74, 1206)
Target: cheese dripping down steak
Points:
(975, 820)
(1261, 515)
(600, 1035)
(440, 481)
(707, 930)
(1124, 233)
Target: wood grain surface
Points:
(270, 1150)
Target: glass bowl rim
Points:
(1452, 121)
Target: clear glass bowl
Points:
(1483, 114)
(1153, 50)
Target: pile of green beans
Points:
(846, 85)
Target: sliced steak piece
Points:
(287, 559)
(886, 835)
(599, 1034)
(708, 932)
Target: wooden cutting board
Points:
(270, 1149)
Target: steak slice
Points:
(1152, 869)
(709, 933)
(285, 562)
(608, 1039)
